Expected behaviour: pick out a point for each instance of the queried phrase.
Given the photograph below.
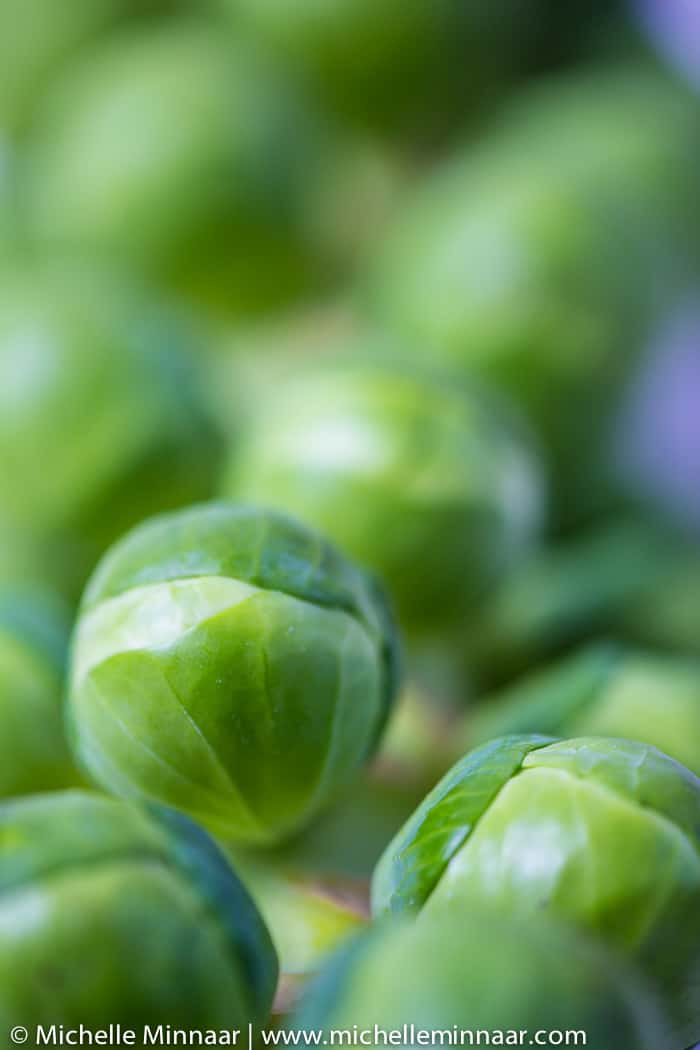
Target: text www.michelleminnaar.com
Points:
(408, 1035)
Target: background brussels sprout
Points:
(100, 421)
(229, 662)
(427, 484)
(603, 690)
(194, 177)
(36, 39)
(390, 63)
(538, 259)
(135, 915)
(8, 218)
(488, 973)
(33, 648)
(666, 614)
(608, 580)
(604, 834)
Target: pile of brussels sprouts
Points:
(349, 550)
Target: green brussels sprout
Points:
(538, 259)
(8, 218)
(388, 63)
(37, 38)
(313, 890)
(227, 661)
(487, 974)
(573, 590)
(603, 690)
(178, 154)
(626, 579)
(114, 915)
(666, 614)
(33, 650)
(603, 834)
(425, 483)
(100, 422)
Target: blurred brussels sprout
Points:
(428, 484)
(603, 690)
(666, 614)
(8, 219)
(603, 834)
(229, 662)
(580, 588)
(388, 63)
(178, 153)
(33, 648)
(100, 421)
(487, 974)
(37, 38)
(113, 915)
(538, 258)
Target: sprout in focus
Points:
(100, 421)
(229, 662)
(33, 648)
(114, 915)
(603, 834)
(604, 690)
(430, 485)
(486, 974)
(175, 151)
(539, 259)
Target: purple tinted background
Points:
(658, 449)
(675, 27)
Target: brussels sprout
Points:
(100, 423)
(425, 483)
(313, 890)
(604, 690)
(8, 218)
(593, 584)
(37, 37)
(487, 974)
(388, 63)
(539, 259)
(630, 580)
(178, 154)
(666, 614)
(604, 834)
(114, 915)
(33, 647)
(227, 661)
